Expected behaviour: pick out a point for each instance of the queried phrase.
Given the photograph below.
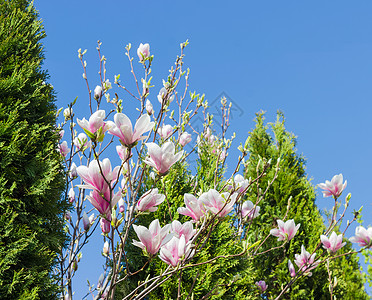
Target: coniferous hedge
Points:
(31, 173)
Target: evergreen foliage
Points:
(292, 182)
(31, 176)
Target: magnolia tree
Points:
(163, 138)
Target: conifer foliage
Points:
(31, 176)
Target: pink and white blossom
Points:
(153, 238)
(143, 51)
(122, 152)
(97, 92)
(194, 208)
(63, 149)
(106, 249)
(185, 138)
(67, 113)
(249, 210)
(162, 158)
(95, 122)
(163, 98)
(87, 221)
(71, 195)
(239, 183)
(176, 250)
(334, 187)
(262, 285)
(73, 173)
(150, 200)
(305, 261)
(285, 231)
(149, 107)
(105, 225)
(121, 205)
(165, 131)
(333, 243)
(216, 203)
(291, 269)
(186, 229)
(123, 129)
(362, 236)
(82, 141)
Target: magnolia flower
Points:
(122, 128)
(63, 148)
(149, 107)
(334, 187)
(67, 113)
(153, 238)
(173, 252)
(107, 85)
(61, 134)
(185, 138)
(194, 208)
(73, 173)
(67, 215)
(97, 92)
(150, 200)
(305, 261)
(362, 236)
(334, 242)
(217, 203)
(122, 152)
(239, 182)
(286, 231)
(87, 221)
(105, 225)
(165, 131)
(82, 142)
(162, 96)
(95, 122)
(121, 205)
(143, 51)
(162, 158)
(71, 195)
(106, 249)
(249, 210)
(186, 229)
(291, 268)
(262, 285)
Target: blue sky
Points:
(312, 60)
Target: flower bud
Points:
(143, 51)
(149, 107)
(73, 173)
(67, 113)
(185, 138)
(106, 249)
(121, 205)
(97, 92)
(105, 225)
(71, 195)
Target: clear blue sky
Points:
(312, 60)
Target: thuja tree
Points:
(292, 194)
(31, 173)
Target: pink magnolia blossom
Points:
(121, 205)
(61, 133)
(106, 249)
(149, 107)
(186, 229)
(173, 252)
(162, 158)
(194, 208)
(217, 203)
(122, 152)
(291, 269)
(153, 238)
(185, 138)
(143, 51)
(150, 200)
(165, 131)
(240, 183)
(71, 195)
(87, 221)
(163, 98)
(305, 261)
(67, 113)
(82, 141)
(95, 122)
(333, 243)
(262, 285)
(63, 149)
(286, 231)
(334, 187)
(105, 225)
(73, 173)
(362, 236)
(123, 129)
(249, 210)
